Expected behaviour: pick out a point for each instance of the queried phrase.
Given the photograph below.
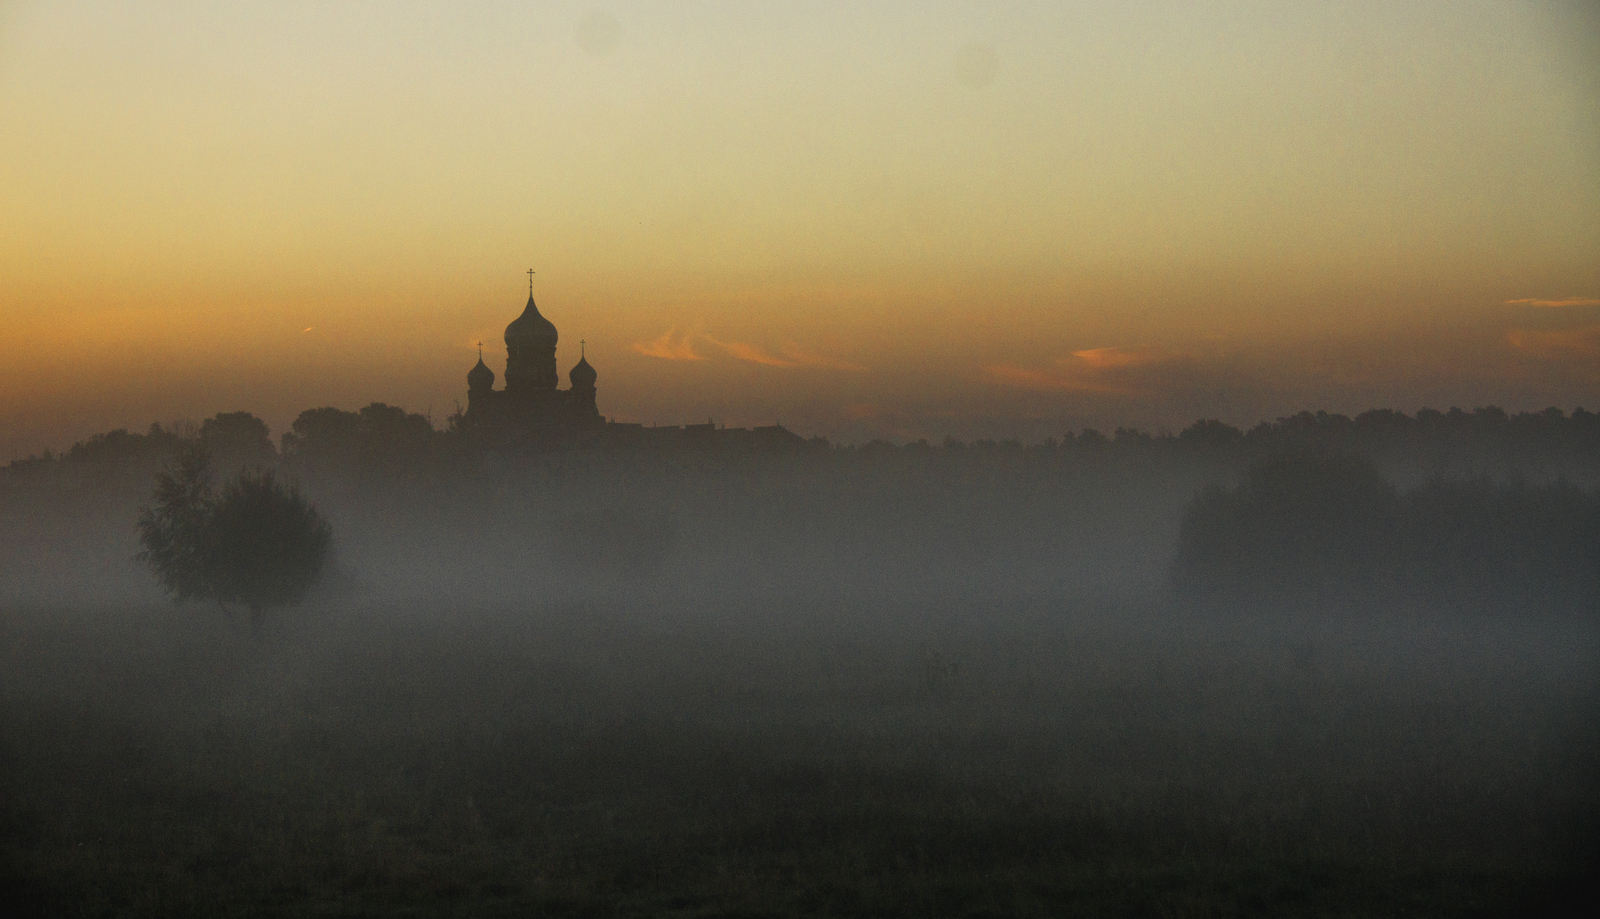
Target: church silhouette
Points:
(531, 407)
(531, 410)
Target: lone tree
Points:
(259, 543)
(173, 529)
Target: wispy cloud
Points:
(1555, 304)
(1114, 358)
(1559, 345)
(675, 347)
(670, 347)
(806, 358)
(1094, 370)
(1051, 379)
(751, 353)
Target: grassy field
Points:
(647, 758)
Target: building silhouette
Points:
(531, 410)
(531, 407)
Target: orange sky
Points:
(958, 219)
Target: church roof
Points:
(582, 374)
(531, 326)
(480, 375)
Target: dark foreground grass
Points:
(637, 760)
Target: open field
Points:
(653, 757)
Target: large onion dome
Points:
(531, 327)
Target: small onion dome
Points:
(531, 327)
(582, 375)
(480, 376)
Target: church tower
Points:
(480, 383)
(583, 376)
(530, 350)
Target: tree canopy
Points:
(172, 528)
(258, 542)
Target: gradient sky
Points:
(865, 220)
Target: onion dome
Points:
(480, 376)
(582, 375)
(531, 327)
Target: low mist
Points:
(1324, 666)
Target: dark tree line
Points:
(1309, 526)
(386, 439)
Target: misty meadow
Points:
(1010, 578)
(1324, 666)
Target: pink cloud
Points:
(674, 347)
(1094, 370)
(1031, 378)
(669, 347)
(793, 355)
(1558, 345)
(1555, 304)
(1111, 358)
(751, 353)
(800, 355)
